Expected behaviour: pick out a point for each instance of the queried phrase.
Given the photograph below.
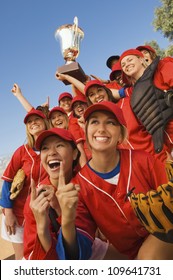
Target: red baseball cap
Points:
(79, 98)
(61, 132)
(130, 52)
(106, 106)
(94, 83)
(146, 47)
(55, 109)
(34, 112)
(110, 59)
(64, 94)
(116, 67)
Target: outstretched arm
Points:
(18, 93)
(79, 85)
(100, 79)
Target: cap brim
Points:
(96, 107)
(48, 133)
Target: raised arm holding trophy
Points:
(70, 36)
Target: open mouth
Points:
(53, 164)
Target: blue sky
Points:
(30, 55)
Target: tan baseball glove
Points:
(17, 184)
(155, 211)
(169, 168)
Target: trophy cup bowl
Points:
(70, 36)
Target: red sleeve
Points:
(14, 165)
(163, 77)
(38, 252)
(75, 130)
(78, 92)
(113, 85)
(33, 249)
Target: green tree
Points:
(163, 20)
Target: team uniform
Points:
(33, 249)
(138, 137)
(106, 205)
(113, 85)
(27, 159)
(79, 135)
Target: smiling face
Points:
(79, 108)
(53, 151)
(103, 132)
(35, 125)
(133, 66)
(97, 94)
(58, 119)
(65, 103)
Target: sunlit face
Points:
(79, 108)
(65, 103)
(55, 150)
(97, 94)
(35, 125)
(147, 56)
(132, 66)
(103, 131)
(58, 119)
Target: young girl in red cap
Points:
(59, 156)
(105, 183)
(56, 146)
(148, 52)
(27, 158)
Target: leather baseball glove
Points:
(17, 184)
(155, 211)
(169, 168)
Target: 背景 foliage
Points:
(163, 20)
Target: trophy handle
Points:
(75, 28)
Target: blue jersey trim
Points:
(5, 200)
(107, 175)
(84, 246)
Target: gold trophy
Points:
(70, 36)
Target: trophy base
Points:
(73, 69)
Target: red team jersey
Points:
(107, 206)
(27, 159)
(138, 137)
(33, 249)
